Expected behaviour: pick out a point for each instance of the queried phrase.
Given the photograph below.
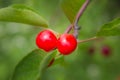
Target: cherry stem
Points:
(68, 29)
(79, 14)
(90, 39)
(82, 9)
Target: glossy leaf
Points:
(71, 8)
(31, 66)
(110, 29)
(22, 14)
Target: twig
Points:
(90, 39)
(68, 29)
(82, 9)
(79, 14)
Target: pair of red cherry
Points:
(47, 41)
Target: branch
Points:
(82, 9)
(68, 29)
(78, 16)
(90, 39)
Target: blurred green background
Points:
(17, 40)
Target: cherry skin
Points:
(106, 50)
(66, 44)
(46, 40)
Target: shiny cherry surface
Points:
(46, 40)
(66, 44)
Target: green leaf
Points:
(71, 8)
(110, 29)
(46, 61)
(58, 60)
(22, 14)
(33, 65)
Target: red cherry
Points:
(66, 44)
(46, 40)
(106, 50)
